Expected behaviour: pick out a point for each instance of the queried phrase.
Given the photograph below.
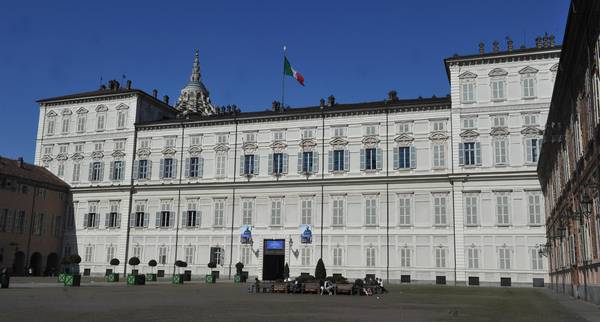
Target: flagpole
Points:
(283, 80)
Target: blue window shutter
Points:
(379, 158)
(396, 158)
(270, 164)
(187, 167)
(478, 153)
(136, 165)
(146, 219)
(362, 160)
(315, 162)
(242, 167)
(299, 162)
(161, 169)
(132, 220)
(330, 160)
(346, 160)
(200, 167)
(157, 219)
(461, 153)
(85, 220)
(413, 157)
(256, 164)
(111, 172)
(285, 163)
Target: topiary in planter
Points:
(151, 277)
(238, 268)
(320, 272)
(113, 277)
(134, 261)
(179, 278)
(65, 262)
(211, 278)
(239, 276)
(134, 278)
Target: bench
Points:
(345, 289)
(266, 287)
(311, 287)
(280, 288)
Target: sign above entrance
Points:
(275, 244)
(246, 235)
(305, 234)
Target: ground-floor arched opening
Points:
(35, 264)
(51, 265)
(18, 267)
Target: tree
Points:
(75, 260)
(134, 261)
(180, 264)
(152, 263)
(286, 271)
(239, 267)
(115, 262)
(320, 272)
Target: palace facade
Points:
(426, 189)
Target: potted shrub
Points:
(239, 278)
(210, 278)
(74, 278)
(65, 262)
(112, 276)
(151, 276)
(320, 272)
(178, 278)
(134, 278)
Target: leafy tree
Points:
(115, 262)
(239, 267)
(152, 263)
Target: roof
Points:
(10, 167)
(373, 106)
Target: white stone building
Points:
(437, 187)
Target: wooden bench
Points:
(311, 287)
(280, 288)
(344, 289)
(266, 287)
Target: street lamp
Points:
(586, 205)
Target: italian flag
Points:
(289, 71)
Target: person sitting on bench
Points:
(327, 287)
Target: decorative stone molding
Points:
(531, 131)
(143, 152)
(308, 144)
(101, 108)
(370, 142)
(554, 68)
(51, 114)
(195, 150)
(528, 70)
(338, 143)
(467, 75)
(77, 156)
(62, 157)
(118, 154)
(221, 148)
(438, 136)
(122, 106)
(81, 110)
(168, 151)
(497, 72)
(66, 112)
(47, 158)
(404, 139)
(249, 147)
(97, 155)
(469, 135)
(278, 146)
(499, 131)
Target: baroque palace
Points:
(425, 189)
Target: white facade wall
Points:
(414, 247)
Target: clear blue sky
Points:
(355, 50)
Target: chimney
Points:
(154, 93)
(509, 44)
(166, 99)
(275, 106)
(538, 42)
(392, 95)
(495, 46)
(330, 101)
(321, 103)
(546, 40)
(481, 48)
(20, 162)
(128, 84)
(551, 40)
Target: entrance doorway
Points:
(19, 264)
(35, 264)
(273, 259)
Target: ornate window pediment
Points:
(51, 114)
(101, 108)
(528, 70)
(168, 151)
(278, 146)
(122, 107)
(531, 131)
(77, 156)
(370, 141)
(467, 75)
(118, 154)
(554, 68)
(308, 144)
(469, 135)
(404, 139)
(143, 152)
(97, 155)
(195, 150)
(62, 157)
(249, 147)
(438, 136)
(338, 142)
(66, 112)
(81, 110)
(497, 72)
(221, 148)
(47, 158)
(499, 131)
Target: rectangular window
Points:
(471, 210)
(168, 168)
(195, 140)
(38, 224)
(498, 91)
(121, 119)
(220, 165)
(250, 137)
(500, 151)
(66, 121)
(249, 164)
(278, 136)
(338, 160)
(194, 164)
(170, 141)
(339, 131)
(404, 210)
(247, 211)
(440, 257)
(371, 257)
(63, 148)
(534, 207)
(504, 258)
(191, 219)
(145, 143)
(278, 163)
(439, 155)
(305, 256)
(222, 138)
(469, 153)
(162, 255)
(307, 162)
(439, 210)
(404, 157)
(438, 126)
(370, 159)
(61, 170)
(276, 205)
(81, 119)
(370, 130)
(306, 210)
(96, 171)
(337, 256)
(216, 255)
(99, 146)
(118, 170)
(499, 121)
(404, 127)
(100, 121)
(110, 253)
(537, 259)
(51, 125)
(530, 119)
(469, 122)
(468, 92)
(308, 133)
(113, 220)
(245, 256)
(219, 209)
(79, 147)
(338, 211)
(48, 149)
(370, 210)
(137, 251)
(189, 255)
(532, 147)
(143, 167)
(528, 87)
(473, 258)
(89, 254)
(502, 209)
(404, 257)
(119, 145)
